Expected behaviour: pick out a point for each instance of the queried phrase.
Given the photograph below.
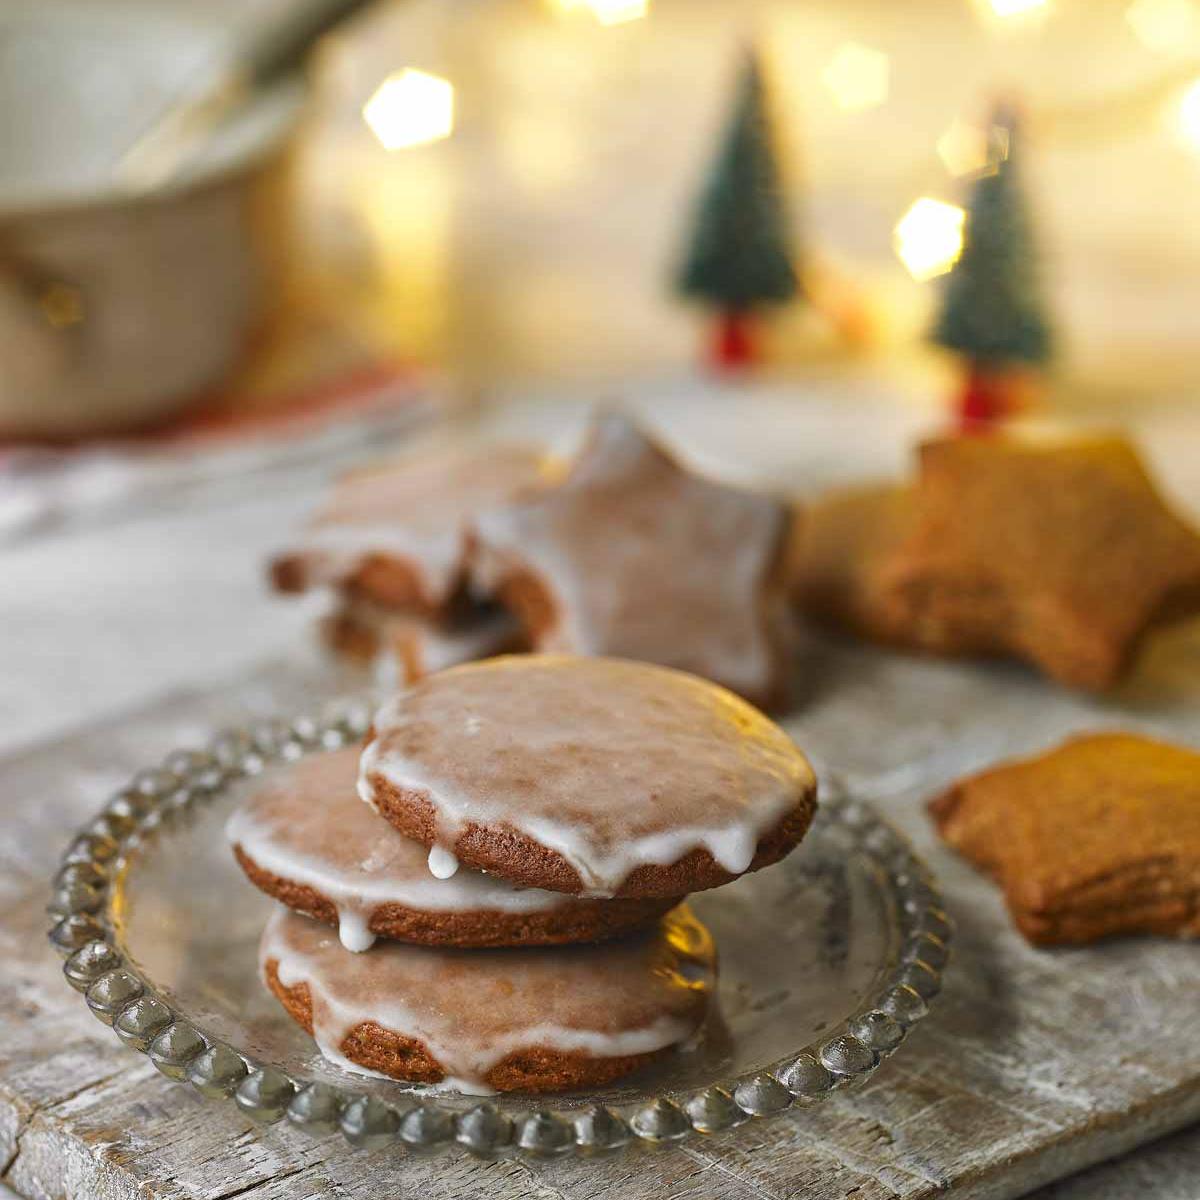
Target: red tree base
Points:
(988, 396)
(734, 347)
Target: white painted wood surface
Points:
(1035, 1064)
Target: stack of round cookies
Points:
(508, 898)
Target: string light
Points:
(607, 12)
(963, 148)
(617, 12)
(1013, 8)
(1163, 25)
(929, 237)
(410, 108)
(1189, 116)
(857, 77)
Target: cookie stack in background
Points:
(625, 553)
(509, 898)
(392, 547)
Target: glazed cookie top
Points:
(473, 1008)
(309, 827)
(634, 556)
(609, 764)
(417, 510)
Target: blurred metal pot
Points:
(117, 310)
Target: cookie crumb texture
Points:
(590, 776)
(484, 1021)
(306, 839)
(1097, 837)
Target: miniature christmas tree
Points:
(739, 257)
(991, 309)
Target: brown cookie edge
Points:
(576, 921)
(535, 1068)
(511, 855)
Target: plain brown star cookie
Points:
(634, 556)
(1099, 836)
(1059, 552)
(841, 543)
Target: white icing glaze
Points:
(417, 510)
(442, 864)
(473, 1008)
(308, 826)
(611, 764)
(642, 559)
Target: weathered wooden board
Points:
(1034, 1064)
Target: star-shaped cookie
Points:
(841, 543)
(1099, 836)
(634, 556)
(1060, 552)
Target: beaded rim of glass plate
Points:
(83, 932)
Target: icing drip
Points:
(442, 864)
(611, 764)
(353, 932)
(308, 826)
(471, 1009)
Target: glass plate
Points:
(826, 961)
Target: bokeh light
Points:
(1189, 116)
(857, 77)
(929, 237)
(1013, 8)
(1163, 25)
(607, 12)
(410, 108)
(963, 148)
(617, 12)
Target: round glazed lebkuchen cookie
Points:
(308, 840)
(593, 776)
(494, 1020)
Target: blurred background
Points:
(512, 208)
(244, 243)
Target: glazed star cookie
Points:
(597, 777)
(636, 557)
(308, 840)
(1099, 836)
(494, 1020)
(399, 534)
(841, 544)
(1060, 552)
